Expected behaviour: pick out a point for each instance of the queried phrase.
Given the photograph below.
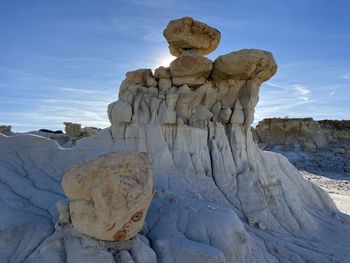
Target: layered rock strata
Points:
(321, 145)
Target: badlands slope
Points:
(217, 196)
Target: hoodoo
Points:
(217, 196)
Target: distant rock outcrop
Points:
(6, 130)
(75, 131)
(328, 140)
(109, 196)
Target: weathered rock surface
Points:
(190, 69)
(75, 131)
(109, 196)
(186, 34)
(315, 146)
(217, 196)
(6, 130)
(245, 64)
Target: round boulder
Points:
(190, 69)
(244, 64)
(110, 195)
(187, 34)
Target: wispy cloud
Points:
(303, 92)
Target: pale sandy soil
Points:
(336, 185)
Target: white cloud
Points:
(272, 84)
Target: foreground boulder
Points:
(109, 196)
(186, 34)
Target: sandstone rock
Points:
(164, 84)
(162, 73)
(109, 195)
(73, 130)
(186, 34)
(6, 130)
(90, 131)
(190, 69)
(245, 64)
(143, 77)
(292, 130)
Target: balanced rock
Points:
(190, 69)
(109, 196)
(188, 34)
(245, 64)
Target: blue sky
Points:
(64, 60)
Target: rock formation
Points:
(320, 145)
(75, 131)
(217, 196)
(187, 34)
(6, 130)
(109, 196)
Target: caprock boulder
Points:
(217, 196)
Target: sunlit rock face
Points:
(186, 34)
(217, 196)
(109, 196)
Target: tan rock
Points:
(190, 69)
(245, 64)
(143, 77)
(109, 196)
(292, 130)
(277, 132)
(73, 130)
(187, 34)
(6, 130)
(164, 84)
(162, 73)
